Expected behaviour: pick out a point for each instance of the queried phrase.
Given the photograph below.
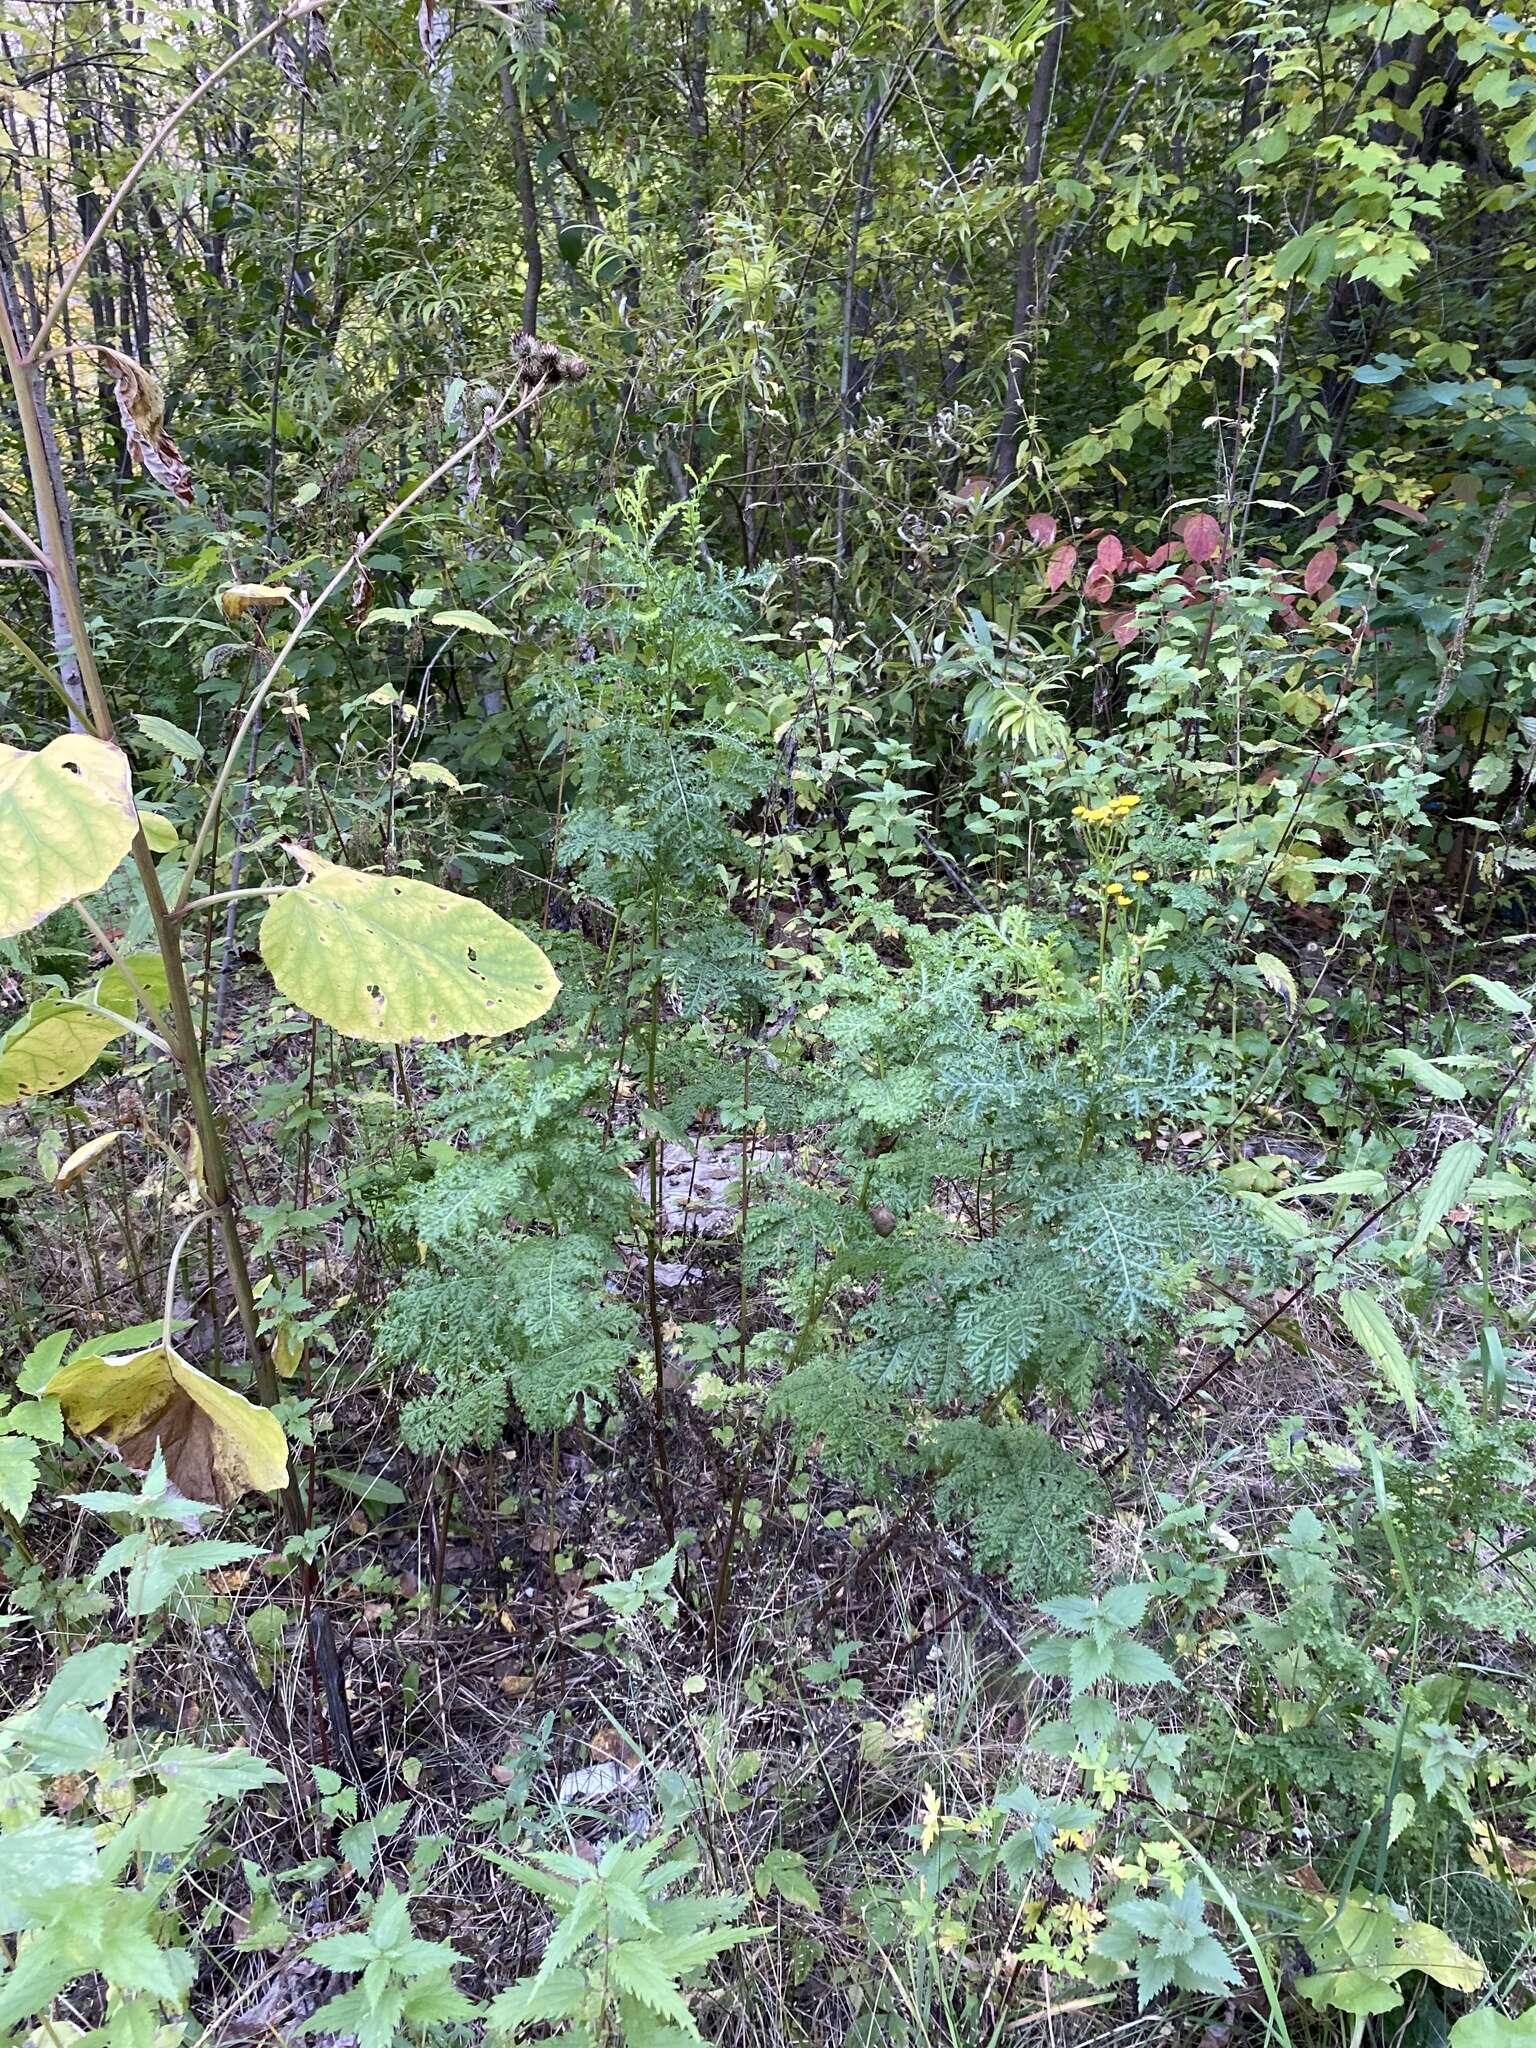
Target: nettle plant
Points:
(376, 956)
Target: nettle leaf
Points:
(1504, 998)
(216, 1444)
(171, 739)
(471, 622)
(1425, 1074)
(1368, 1325)
(55, 1043)
(1459, 1166)
(66, 820)
(385, 959)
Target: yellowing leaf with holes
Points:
(382, 958)
(55, 1043)
(216, 1444)
(115, 991)
(66, 820)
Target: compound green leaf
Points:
(66, 820)
(55, 1043)
(382, 958)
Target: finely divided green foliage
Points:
(978, 1090)
(506, 1227)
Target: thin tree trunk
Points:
(1027, 297)
(49, 478)
(853, 370)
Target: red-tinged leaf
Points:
(1099, 589)
(1328, 522)
(1110, 556)
(1041, 528)
(1158, 556)
(1058, 569)
(1290, 617)
(1123, 628)
(1202, 539)
(1403, 511)
(1319, 571)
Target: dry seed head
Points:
(541, 364)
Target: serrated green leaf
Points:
(42, 1362)
(172, 739)
(18, 1476)
(1503, 997)
(1425, 1074)
(44, 1856)
(1458, 1166)
(471, 622)
(642, 1977)
(1368, 1325)
(214, 1774)
(41, 1420)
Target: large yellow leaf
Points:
(66, 820)
(55, 1043)
(382, 958)
(216, 1444)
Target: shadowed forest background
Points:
(766, 1155)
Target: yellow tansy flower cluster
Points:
(1110, 813)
